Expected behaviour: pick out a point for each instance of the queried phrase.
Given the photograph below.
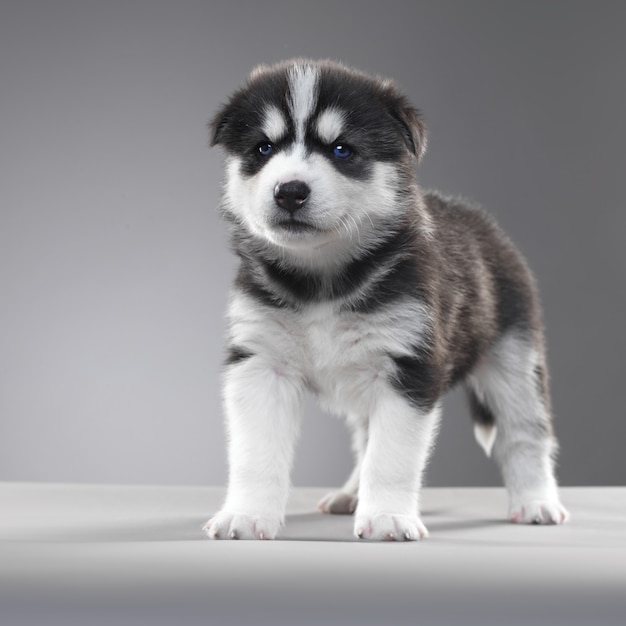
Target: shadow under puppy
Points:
(375, 296)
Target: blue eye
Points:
(341, 151)
(265, 148)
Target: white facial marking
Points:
(302, 83)
(274, 124)
(344, 213)
(330, 124)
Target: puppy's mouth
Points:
(294, 226)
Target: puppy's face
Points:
(316, 153)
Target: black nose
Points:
(291, 196)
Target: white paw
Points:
(549, 511)
(338, 502)
(227, 525)
(388, 527)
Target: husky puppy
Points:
(356, 285)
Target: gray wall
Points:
(113, 266)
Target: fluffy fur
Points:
(355, 285)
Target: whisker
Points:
(357, 229)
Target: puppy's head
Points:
(316, 153)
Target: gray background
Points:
(114, 270)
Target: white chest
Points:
(342, 355)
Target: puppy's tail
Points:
(485, 429)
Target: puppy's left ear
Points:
(412, 127)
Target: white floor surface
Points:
(99, 555)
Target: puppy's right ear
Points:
(219, 125)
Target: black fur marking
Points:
(253, 161)
(400, 281)
(236, 354)
(243, 114)
(305, 287)
(480, 412)
(238, 126)
(513, 300)
(246, 281)
(378, 115)
(300, 285)
(418, 379)
(473, 349)
(357, 166)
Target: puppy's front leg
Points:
(400, 439)
(263, 403)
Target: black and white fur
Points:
(357, 286)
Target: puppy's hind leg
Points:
(510, 406)
(344, 500)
